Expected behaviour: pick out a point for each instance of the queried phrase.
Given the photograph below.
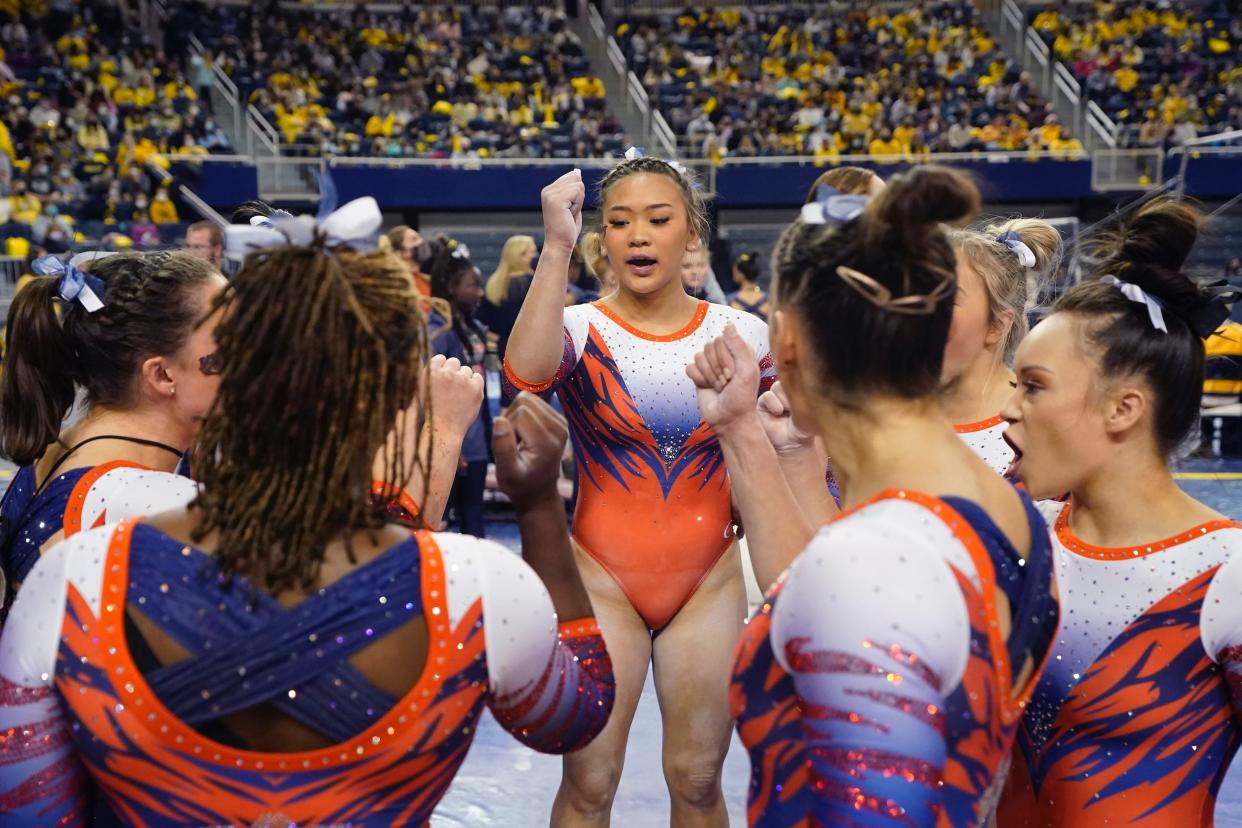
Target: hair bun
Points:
(1161, 233)
(915, 203)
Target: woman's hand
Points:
(562, 210)
(778, 423)
(726, 376)
(456, 393)
(528, 441)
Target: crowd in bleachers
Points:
(847, 80)
(432, 83)
(1169, 72)
(85, 105)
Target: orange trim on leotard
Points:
(163, 726)
(578, 628)
(525, 385)
(72, 522)
(380, 489)
(982, 425)
(1116, 553)
(690, 327)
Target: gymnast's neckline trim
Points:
(690, 327)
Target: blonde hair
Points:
(1011, 288)
(591, 249)
(511, 264)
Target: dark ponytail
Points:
(899, 244)
(56, 347)
(37, 389)
(1149, 251)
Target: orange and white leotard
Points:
(653, 494)
(985, 438)
(80, 713)
(1136, 718)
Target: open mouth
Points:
(1015, 465)
(641, 265)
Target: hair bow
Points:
(75, 285)
(1011, 239)
(832, 205)
(459, 250)
(356, 225)
(1155, 310)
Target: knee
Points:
(589, 789)
(694, 777)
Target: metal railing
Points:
(1066, 87)
(1114, 170)
(224, 95)
(1100, 128)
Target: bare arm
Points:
(528, 441)
(801, 455)
(726, 374)
(536, 344)
(456, 394)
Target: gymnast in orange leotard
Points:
(653, 525)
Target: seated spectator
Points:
(142, 230)
(163, 210)
(782, 74)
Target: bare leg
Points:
(590, 776)
(693, 656)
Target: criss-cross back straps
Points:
(1031, 601)
(248, 649)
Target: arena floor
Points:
(503, 783)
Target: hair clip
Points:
(634, 153)
(880, 296)
(1134, 293)
(75, 285)
(833, 206)
(1026, 256)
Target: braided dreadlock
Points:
(321, 355)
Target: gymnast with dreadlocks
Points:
(279, 650)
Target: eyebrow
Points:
(621, 208)
(1028, 368)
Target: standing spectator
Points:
(205, 240)
(697, 277)
(507, 286)
(456, 280)
(411, 250)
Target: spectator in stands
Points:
(163, 210)
(142, 230)
(24, 207)
(205, 240)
